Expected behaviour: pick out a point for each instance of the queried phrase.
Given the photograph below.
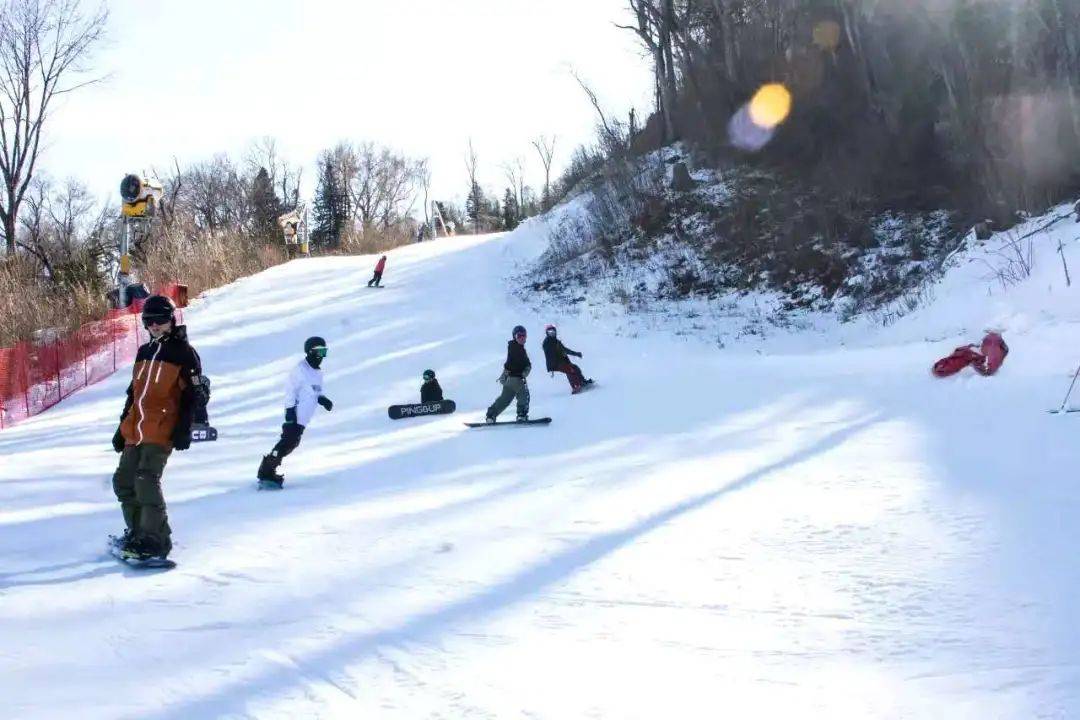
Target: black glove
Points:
(181, 440)
(290, 415)
(118, 441)
(325, 402)
(577, 354)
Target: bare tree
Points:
(44, 45)
(545, 148)
(63, 229)
(515, 176)
(612, 132)
(284, 178)
(424, 173)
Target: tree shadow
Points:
(427, 627)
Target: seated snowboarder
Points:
(430, 391)
(166, 391)
(515, 370)
(377, 277)
(303, 392)
(557, 356)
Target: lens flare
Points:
(770, 106)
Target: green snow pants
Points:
(137, 484)
(514, 387)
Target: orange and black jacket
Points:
(161, 398)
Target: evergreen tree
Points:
(265, 207)
(330, 210)
(475, 206)
(511, 213)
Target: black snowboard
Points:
(436, 407)
(525, 423)
(149, 564)
(203, 433)
(267, 485)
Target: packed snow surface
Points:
(797, 529)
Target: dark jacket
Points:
(161, 398)
(431, 391)
(555, 353)
(517, 360)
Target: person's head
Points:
(315, 351)
(520, 334)
(158, 315)
(550, 331)
(429, 375)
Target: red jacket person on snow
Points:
(167, 390)
(557, 357)
(377, 277)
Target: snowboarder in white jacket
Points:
(303, 393)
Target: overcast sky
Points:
(197, 77)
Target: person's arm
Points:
(189, 371)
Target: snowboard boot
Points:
(268, 471)
(145, 548)
(489, 420)
(122, 541)
(523, 418)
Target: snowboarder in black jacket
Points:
(430, 391)
(515, 370)
(557, 356)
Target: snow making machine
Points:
(293, 226)
(141, 196)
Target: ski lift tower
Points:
(140, 196)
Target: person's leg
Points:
(521, 392)
(153, 518)
(289, 441)
(503, 401)
(124, 486)
(567, 368)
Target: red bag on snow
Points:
(986, 360)
(994, 350)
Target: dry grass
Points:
(30, 304)
(376, 241)
(206, 262)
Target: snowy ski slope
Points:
(828, 533)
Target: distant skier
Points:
(557, 356)
(420, 234)
(303, 391)
(377, 277)
(515, 370)
(430, 391)
(166, 391)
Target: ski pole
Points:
(1066, 400)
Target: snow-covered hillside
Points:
(789, 527)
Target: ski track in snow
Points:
(831, 533)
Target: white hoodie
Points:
(302, 391)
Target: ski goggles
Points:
(520, 334)
(319, 351)
(148, 320)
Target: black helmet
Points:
(429, 375)
(314, 343)
(518, 330)
(158, 309)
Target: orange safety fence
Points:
(35, 375)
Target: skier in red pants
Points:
(557, 356)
